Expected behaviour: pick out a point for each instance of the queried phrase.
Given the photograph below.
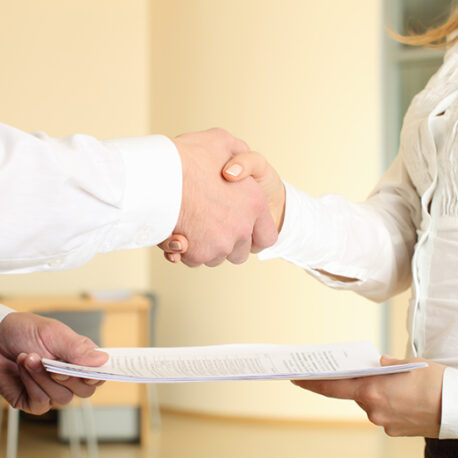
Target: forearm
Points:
(346, 245)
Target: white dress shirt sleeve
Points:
(64, 200)
(449, 417)
(370, 242)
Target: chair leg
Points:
(74, 436)
(153, 402)
(12, 434)
(91, 434)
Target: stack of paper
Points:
(235, 362)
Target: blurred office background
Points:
(315, 86)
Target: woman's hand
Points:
(404, 404)
(236, 169)
(255, 165)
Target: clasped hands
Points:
(219, 220)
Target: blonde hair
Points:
(435, 37)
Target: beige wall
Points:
(299, 80)
(77, 67)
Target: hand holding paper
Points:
(407, 404)
(24, 383)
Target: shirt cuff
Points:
(153, 186)
(4, 311)
(449, 420)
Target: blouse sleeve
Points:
(371, 242)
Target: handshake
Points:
(233, 201)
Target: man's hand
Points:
(246, 165)
(405, 404)
(220, 220)
(25, 339)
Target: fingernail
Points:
(21, 357)
(234, 170)
(175, 245)
(89, 381)
(92, 352)
(60, 377)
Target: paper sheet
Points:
(235, 362)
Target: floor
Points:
(194, 437)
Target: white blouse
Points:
(406, 233)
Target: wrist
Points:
(184, 158)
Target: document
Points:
(235, 362)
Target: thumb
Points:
(176, 243)
(388, 360)
(244, 165)
(73, 348)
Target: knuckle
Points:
(245, 235)
(216, 130)
(190, 261)
(16, 404)
(369, 395)
(41, 409)
(87, 392)
(215, 262)
(83, 342)
(220, 250)
(220, 132)
(224, 251)
(375, 417)
(245, 146)
(392, 431)
(64, 398)
(226, 139)
(239, 257)
(262, 163)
